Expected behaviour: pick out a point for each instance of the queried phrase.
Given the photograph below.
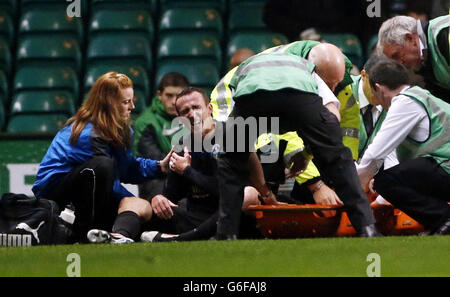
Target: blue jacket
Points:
(62, 157)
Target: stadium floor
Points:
(330, 257)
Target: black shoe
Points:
(369, 231)
(443, 229)
(224, 237)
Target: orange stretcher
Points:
(314, 220)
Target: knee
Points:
(137, 205)
(103, 164)
(381, 182)
(250, 198)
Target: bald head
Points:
(240, 56)
(330, 63)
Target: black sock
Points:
(204, 231)
(128, 224)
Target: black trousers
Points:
(89, 187)
(304, 113)
(420, 188)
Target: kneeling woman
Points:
(90, 157)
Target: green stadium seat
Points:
(191, 19)
(137, 22)
(47, 50)
(200, 72)
(48, 5)
(35, 123)
(2, 116)
(46, 78)
(43, 102)
(6, 26)
(149, 5)
(257, 41)
(110, 47)
(136, 73)
(246, 16)
(4, 91)
(140, 102)
(5, 57)
(371, 44)
(349, 44)
(220, 5)
(190, 45)
(10, 7)
(50, 22)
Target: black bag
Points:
(28, 221)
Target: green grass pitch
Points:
(399, 256)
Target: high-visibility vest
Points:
(437, 144)
(350, 117)
(441, 66)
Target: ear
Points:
(159, 95)
(210, 108)
(363, 73)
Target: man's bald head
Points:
(330, 63)
(240, 56)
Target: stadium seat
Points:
(3, 88)
(220, 5)
(48, 50)
(110, 48)
(257, 41)
(10, 7)
(6, 26)
(50, 22)
(5, 57)
(46, 78)
(48, 5)
(137, 22)
(149, 5)
(190, 45)
(201, 73)
(247, 15)
(349, 44)
(191, 19)
(371, 44)
(136, 73)
(2, 116)
(34, 123)
(32, 102)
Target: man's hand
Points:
(179, 163)
(162, 207)
(299, 163)
(164, 163)
(324, 195)
(371, 193)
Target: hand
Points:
(162, 207)
(325, 195)
(164, 163)
(179, 163)
(371, 193)
(299, 163)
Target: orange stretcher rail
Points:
(314, 220)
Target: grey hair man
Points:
(420, 46)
